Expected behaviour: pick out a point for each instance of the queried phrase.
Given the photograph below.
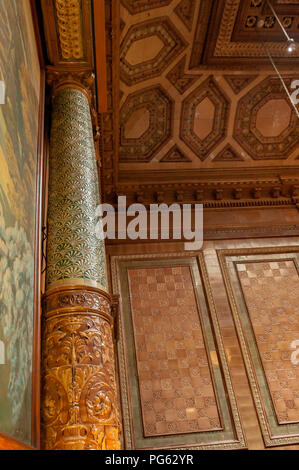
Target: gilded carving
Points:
(78, 388)
(69, 26)
(228, 154)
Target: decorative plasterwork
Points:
(120, 176)
(250, 13)
(250, 133)
(185, 11)
(203, 146)
(179, 79)
(171, 45)
(197, 186)
(174, 155)
(228, 154)
(137, 6)
(239, 82)
(158, 106)
(232, 39)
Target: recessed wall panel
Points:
(176, 387)
(175, 382)
(263, 289)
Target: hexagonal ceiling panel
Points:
(146, 122)
(204, 117)
(148, 48)
(266, 126)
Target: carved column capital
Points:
(83, 81)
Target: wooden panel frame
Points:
(213, 440)
(39, 218)
(274, 435)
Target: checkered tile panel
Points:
(271, 292)
(176, 390)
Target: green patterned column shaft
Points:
(73, 250)
(78, 398)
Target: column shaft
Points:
(79, 404)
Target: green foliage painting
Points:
(20, 72)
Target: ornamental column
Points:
(79, 403)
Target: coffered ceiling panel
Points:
(199, 96)
(235, 32)
(273, 128)
(148, 48)
(147, 120)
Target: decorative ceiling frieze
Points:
(69, 27)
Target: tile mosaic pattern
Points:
(271, 295)
(176, 390)
(73, 249)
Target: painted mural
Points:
(19, 69)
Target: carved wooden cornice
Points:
(273, 189)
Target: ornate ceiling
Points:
(196, 110)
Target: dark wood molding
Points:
(37, 270)
(100, 53)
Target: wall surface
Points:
(246, 299)
(19, 69)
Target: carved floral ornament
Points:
(79, 391)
